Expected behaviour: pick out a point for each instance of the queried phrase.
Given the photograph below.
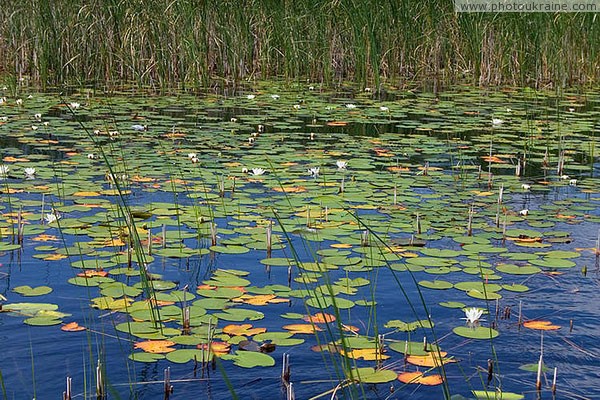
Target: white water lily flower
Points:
(341, 164)
(192, 155)
(573, 182)
(74, 105)
(194, 160)
(314, 171)
(139, 128)
(384, 108)
(258, 171)
(244, 170)
(350, 105)
(251, 96)
(311, 88)
(2, 100)
(571, 109)
(19, 102)
(367, 89)
(275, 96)
(525, 186)
(565, 177)
(4, 171)
(38, 116)
(473, 315)
(296, 106)
(497, 121)
(52, 217)
(3, 118)
(29, 173)
(524, 212)
(34, 127)
(91, 156)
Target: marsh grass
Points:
(187, 43)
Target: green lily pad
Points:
(29, 291)
(496, 395)
(250, 359)
(42, 321)
(146, 357)
(370, 375)
(479, 332)
(182, 356)
(439, 285)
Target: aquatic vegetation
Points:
(277, 40)
(338, 237)
(473, 315)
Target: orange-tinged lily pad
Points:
(90, 273)
(341, 246)
(366, 354)
(430, 360)
(72, 327)
(540, 325)
(86, 194)
(419, 378)
(258, 300)
(44, 238)
(290, 189)
(243, 330)
(218, 348)
(14, 159)
(155, 346)
(54, 257)
(302, 328)
(319, 318)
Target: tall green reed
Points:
(176, 44)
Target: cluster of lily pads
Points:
(166, 213)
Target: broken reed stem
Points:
(168, 387)
(418, 224)
(470, 222)
(395, 195)
(213, 233)
(343, 184)
(499, 206)
(307, 216)
(43, 205)
(554, 381)
(364, 238)
(520, 315)
(269, 237)
(164, 236)
(67, 394)
(504, 230)
(99, 381)
(379, 352)
(149, 241)
(561, 163)
(285, 370)
(538, 382)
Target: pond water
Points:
(388, 216)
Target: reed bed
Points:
(169, 44)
